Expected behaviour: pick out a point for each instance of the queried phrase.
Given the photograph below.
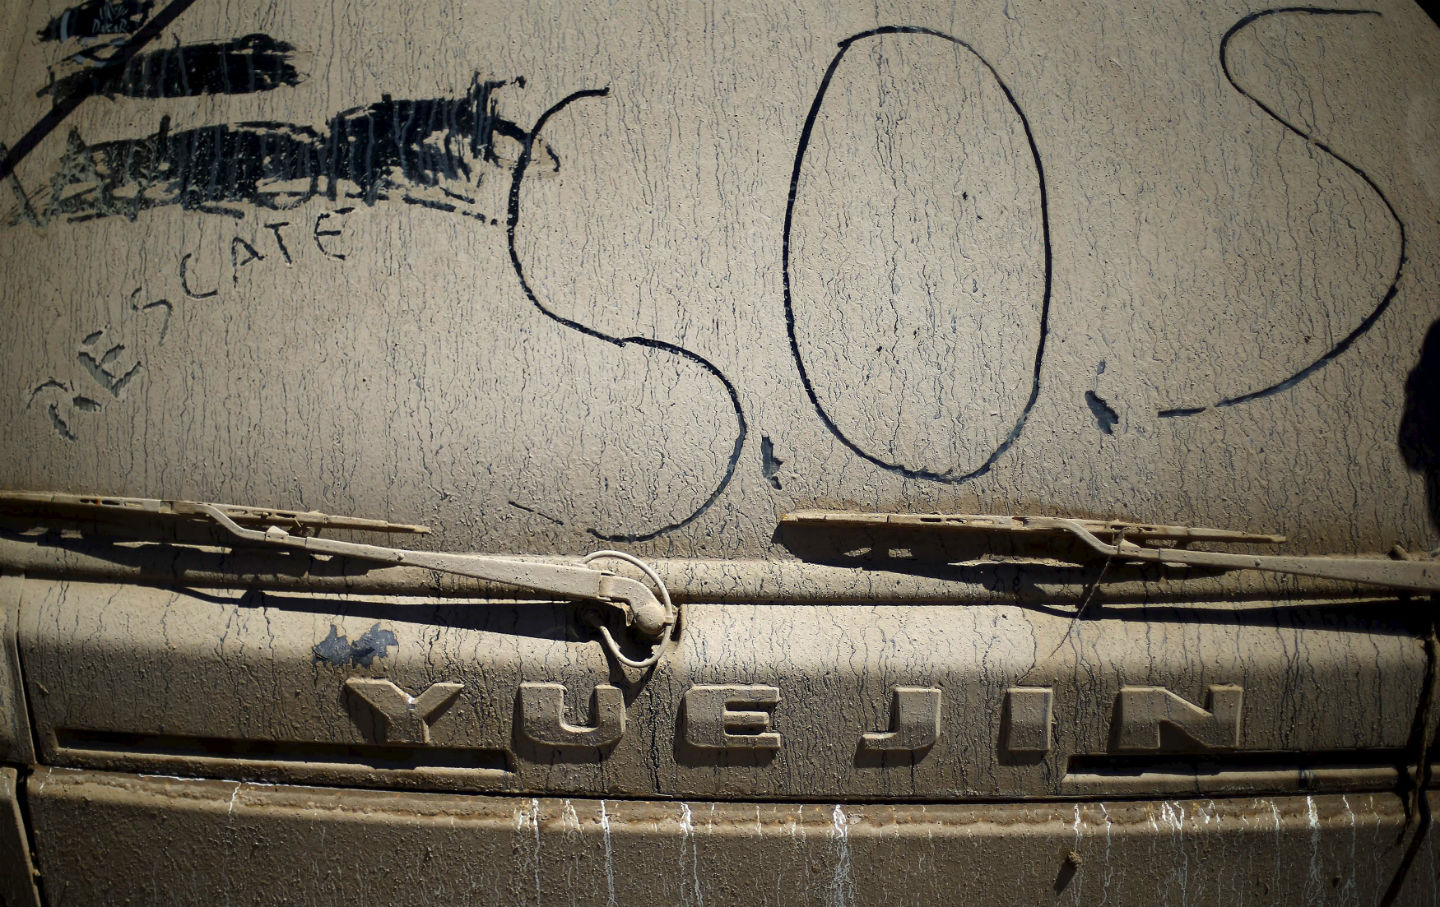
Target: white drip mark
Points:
(569, 819)
(535, 824)
(1172, 814)
(1077, 881)
(532, 819)
(1313, 887)
(1349, 893)
(1211, 814)
(233, 794)
(842, 886)
(797, 840)
(1279, 840)
(687, 842)
(609, 857)
(1109, 871)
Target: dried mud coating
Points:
(540, 275)
(948, 250)
(1171, 265)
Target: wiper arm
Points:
(1414, 576)
(643, 612)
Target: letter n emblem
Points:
(1142, 712)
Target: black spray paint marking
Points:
(1181, 411)
(135, 306)
(1104, 413)
(107, 365)
(769, 463)
(275, 227)
(338, 652)
(103, 365)
(97, 19)
(108, 368)
(185, 280)
(62, 109)
(557, 521)
(805, 133)
(243, 66)
(363, 153)
(27, 211)
(316, 232)
(239, 247)
(1369, 320)
(512, 223)
(68, 397)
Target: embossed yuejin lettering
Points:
(1141, 713)
(1027, 718)
(542, 717)
(711, 723)
(406, 718)
(741, 717)
(914, 721)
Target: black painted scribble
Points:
(527, 150)
(769, 463)
(374, 153)
(62, 109)
(540, 513)
(338, 651)
(1105, 415)
(245, 65)
(97, 19)
(1369, 320)
(951, 476)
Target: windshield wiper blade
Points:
(83, 506)
(1124, 539)
(648, 615)
(971, 522)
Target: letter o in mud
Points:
(917, 256)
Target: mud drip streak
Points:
(513, 223)
(66, 106)
(1369, 320)
(951, 476)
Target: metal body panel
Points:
(263, 685)
(554, 276)
(17, 872)
(16, 743)
(123, 838)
